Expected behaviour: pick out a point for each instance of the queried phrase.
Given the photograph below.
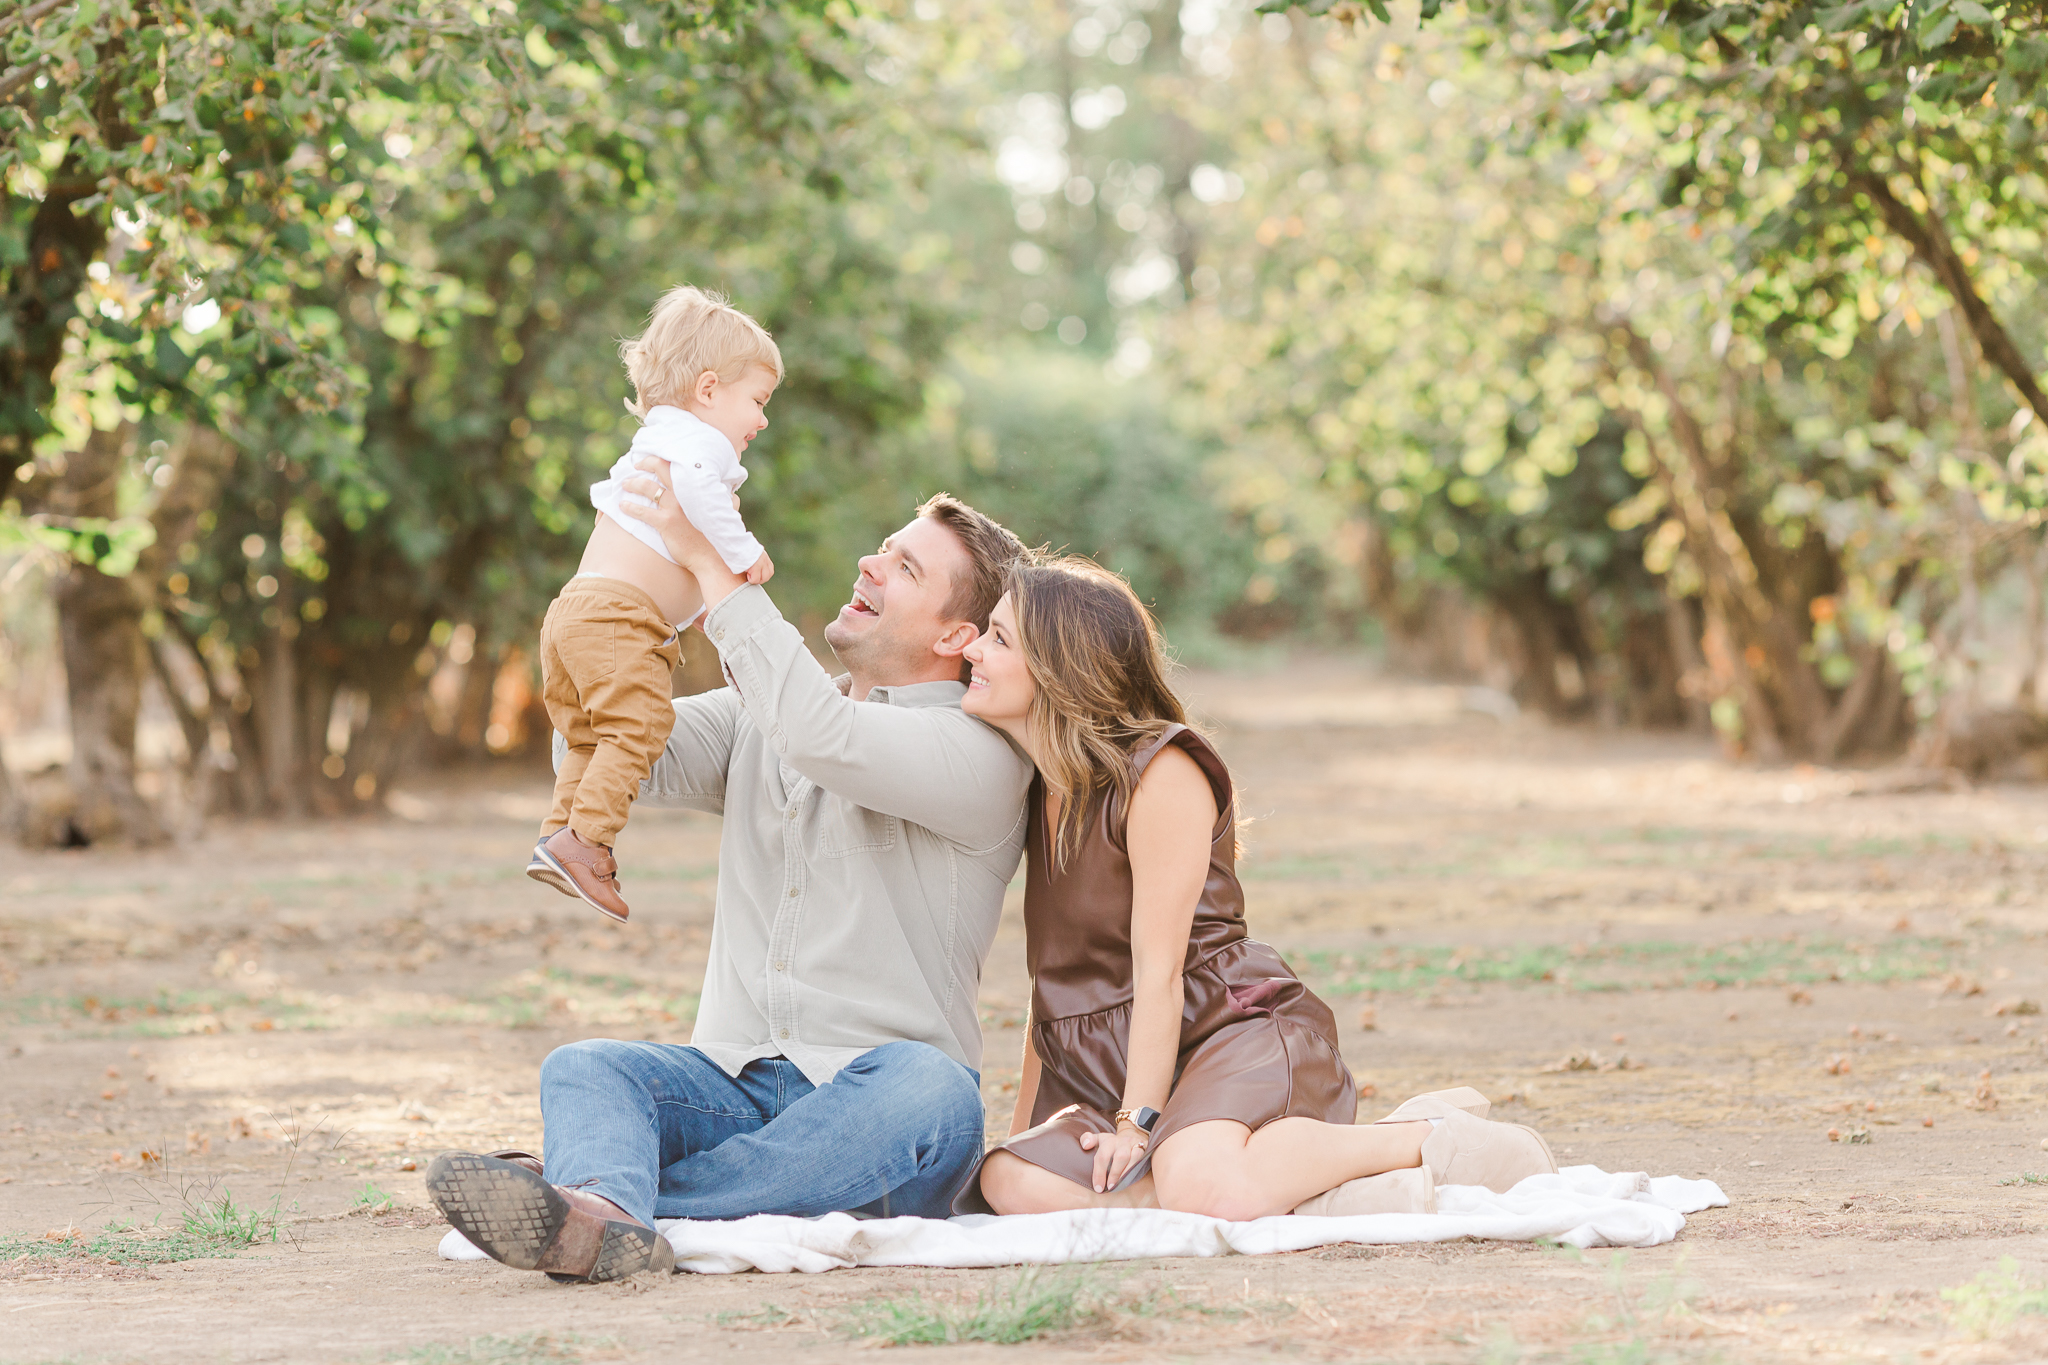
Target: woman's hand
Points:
(1115, 1153)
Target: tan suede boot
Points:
(1463, 1150)
(1409, 1191)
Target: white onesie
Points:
(706, 472)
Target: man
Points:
(869, 835)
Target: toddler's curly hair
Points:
(692, 330)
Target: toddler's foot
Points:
(584, 870)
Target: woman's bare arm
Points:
(1027, 1086)
(1173, 815)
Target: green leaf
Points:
(1974, 13)
(171, 361)
(1940, 32)
(2028, 54)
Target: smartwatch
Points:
(1145, 1117)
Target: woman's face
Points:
(999, 687)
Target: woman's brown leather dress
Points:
(1255, 1043)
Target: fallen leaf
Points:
(1839, 1065)
(1369, 1018)
(1985, 1097)
(1798, 996)
(1834, 1135)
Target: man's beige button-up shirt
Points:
(864, 856)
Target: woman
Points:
(1149, 1003)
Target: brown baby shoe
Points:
(575, 868)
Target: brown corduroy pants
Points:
(607, 658)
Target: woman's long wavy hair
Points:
(1099, 667)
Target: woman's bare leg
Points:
(1013, 1185)
(1223, 1169)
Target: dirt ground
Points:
(1664, 962)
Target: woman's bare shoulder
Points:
(1172, 782)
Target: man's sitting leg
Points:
(894, 1134)
(611, 1110)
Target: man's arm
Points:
(931, 766)
(691, 771)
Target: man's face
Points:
(897, 612)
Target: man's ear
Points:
(955, 641)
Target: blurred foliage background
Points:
(1668, 366)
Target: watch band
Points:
(1144, 1118)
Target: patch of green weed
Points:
(116, 1244)
(531, 1348)
(1993, 1301)
(1035, 1302)
(2026, 1178)
(1630, 966)
(535, 998)
(370, 1197)
(218, 1218)
(167, 1014)
(1646, 1326)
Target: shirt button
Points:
(785, 1033)
(782, 966)
(792, 893)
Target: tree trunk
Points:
(41, 300)
(277, 710)
(105, 660)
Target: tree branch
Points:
(1929, 238)
(28, 15)
(17, 78)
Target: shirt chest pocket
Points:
(847, 829)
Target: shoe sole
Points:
(514, 1217)
(554, 874)
(539, 870)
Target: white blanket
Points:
(1581, 1206)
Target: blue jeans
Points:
(660, 1130)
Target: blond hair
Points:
(692, 330)
(1099, 670)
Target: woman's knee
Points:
(1013, 1185)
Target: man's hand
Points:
(656, 505)
(763, 569)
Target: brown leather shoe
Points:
(588, 869)
(519, 1158)
(515, 1217)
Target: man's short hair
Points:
(991, 549)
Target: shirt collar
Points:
(943, 693)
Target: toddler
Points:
(702, 374)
